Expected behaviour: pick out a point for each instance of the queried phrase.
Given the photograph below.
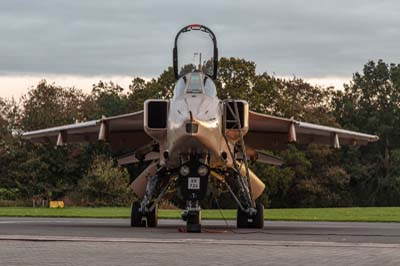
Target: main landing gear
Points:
(253, 220)
(145, 212)
(249, 214)
(141, 219)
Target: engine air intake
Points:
(157, 112)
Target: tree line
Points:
(312, 176)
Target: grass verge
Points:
(367, 214)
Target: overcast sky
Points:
(75, 43)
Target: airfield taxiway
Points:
(70, 241)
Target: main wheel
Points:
(242, 219)
(136, 215)
(258, 218)
(152, 217)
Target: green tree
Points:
(49, 105)
(312, 175)
(105, 184)
(9, 118)
(371, 103)
(108, 99)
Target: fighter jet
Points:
(196, 144)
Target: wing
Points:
(271, 132)
(123, 131)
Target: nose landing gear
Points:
(192, 216)
(194, 177)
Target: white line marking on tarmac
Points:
(195, 241)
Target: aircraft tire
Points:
(258, 219)
(152, 217)
(242, 219)
(193, 222)
(136, 215)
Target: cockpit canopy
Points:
(195, 83)
(195, 50)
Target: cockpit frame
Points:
(205, 86)
(215, 50)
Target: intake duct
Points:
(156, 113)
(156, 119)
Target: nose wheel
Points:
(192, 216)
(193, 221)
(193, 224)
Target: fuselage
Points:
(194, 124)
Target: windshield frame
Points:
(209, 90)
(182, 86)
(215, 49)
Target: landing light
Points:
(202, 170)
(184, 170)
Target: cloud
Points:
(309, 38)
(17, 86)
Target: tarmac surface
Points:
(73, 241)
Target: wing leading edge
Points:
(120, 131)
(271, 132)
